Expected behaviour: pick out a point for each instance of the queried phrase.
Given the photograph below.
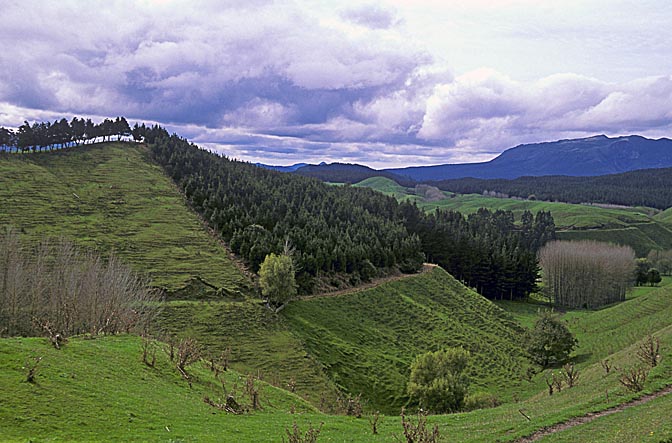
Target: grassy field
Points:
(636, 227)
(367, 340)
(99, 390)
(110, 197)
(259, 340)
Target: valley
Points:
(316, 354)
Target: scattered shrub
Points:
(418, 432)
(295, 435)
(649, 351)
(480, 400)
(634, 378)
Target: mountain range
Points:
(591, 156)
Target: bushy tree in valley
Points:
(276, 278)
(550, 342)
(438, 381)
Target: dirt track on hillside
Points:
(372, 284)
(587, 418)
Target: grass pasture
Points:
(111, 197)
(366, 341)
(260, 342)
(105, 377)
(635, 227)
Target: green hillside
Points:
(636, 227)
(93, 390)
(259, 342)
(665, 216)
(112, 198)
(367, 340)
(99, 389)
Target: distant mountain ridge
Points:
(592, 156)
(290, 168)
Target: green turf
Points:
(99, 390)
(111, 197)
(644, 423)
(367, 340)
(259, 340)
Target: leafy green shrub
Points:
(550, 342)
(437, 380)
(480, 400)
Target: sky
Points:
(386, 83)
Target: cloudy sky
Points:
(384, 83)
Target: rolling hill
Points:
(98, 389)
(598, 155)
(366, 341)
(111, 197)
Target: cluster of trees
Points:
(646, 273)
(646, 187)
(586, 274)
(62, 134)
(661, 260)
(486, 250)
(56, 286)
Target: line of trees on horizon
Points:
(41, 136)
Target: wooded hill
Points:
(348, 231)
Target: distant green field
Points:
(367, 340)
(635, 227)
(110, 197)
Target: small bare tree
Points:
(353, 406)
(188, 352)
(606, 365)
(571, 374)
(32, 368)
(374, 420)
(148, 351)
(295, 435)
(649, 351)
(252, 392)
(634, 378)
(418, 432)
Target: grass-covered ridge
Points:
(367, 340)
(111, 197)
